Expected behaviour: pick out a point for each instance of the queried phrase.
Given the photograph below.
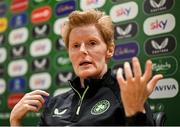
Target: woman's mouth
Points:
(83, 63)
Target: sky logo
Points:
(40, 81)
(91, 4)
(123, 12)
(159, 24)
(125, 51)
(40, 47)
(17, 84)
(65, 8)
(17, 68)
(18, 20)
(18, 36)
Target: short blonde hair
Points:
(81, 18)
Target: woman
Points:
(96, 98)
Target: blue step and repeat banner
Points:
(32, 53)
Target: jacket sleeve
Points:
(141, 119)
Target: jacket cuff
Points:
(138, 119)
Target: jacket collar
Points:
(95, 84)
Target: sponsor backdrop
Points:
(32, 53)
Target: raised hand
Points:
(135, 87)
(32, 101)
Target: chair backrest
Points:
(159, 118)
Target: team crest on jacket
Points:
(100, 107)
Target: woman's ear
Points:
(110, 51)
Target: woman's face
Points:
(88, 52)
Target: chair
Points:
(159, 118)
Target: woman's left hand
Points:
(136, 88)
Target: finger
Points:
(31, 108)
(128, 72)
(41, 92)
(148, 70)
(136, 68)
(120, 78)
(35, 103)
(152, 83)
(36, 97)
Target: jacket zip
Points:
(81, 97)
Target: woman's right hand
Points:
(32, 101)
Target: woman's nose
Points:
(83, 48)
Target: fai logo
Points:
(123, 12)
(41, 30)
(40, 81)
(40, 47)
(17, 85)
(40, 64)
(159, 24)
(2, 39)
(2, 86)
(3, 55)
(18, 36)
(18, 20)
(160, 45)
(165, 88)
(17, 68)
(19, 5)
(65, 8)
(153, 6)
(18, 51)
(41, 14)
(3, 8)
(63, 77)
(3, 24)
(60, 45)
(128, 30)
(165, 65)
(125, 51)
(91, 4)
(100, 107)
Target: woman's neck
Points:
(96, 77)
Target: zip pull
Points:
(78, 109)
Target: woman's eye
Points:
(76, 45)
(92, 43)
